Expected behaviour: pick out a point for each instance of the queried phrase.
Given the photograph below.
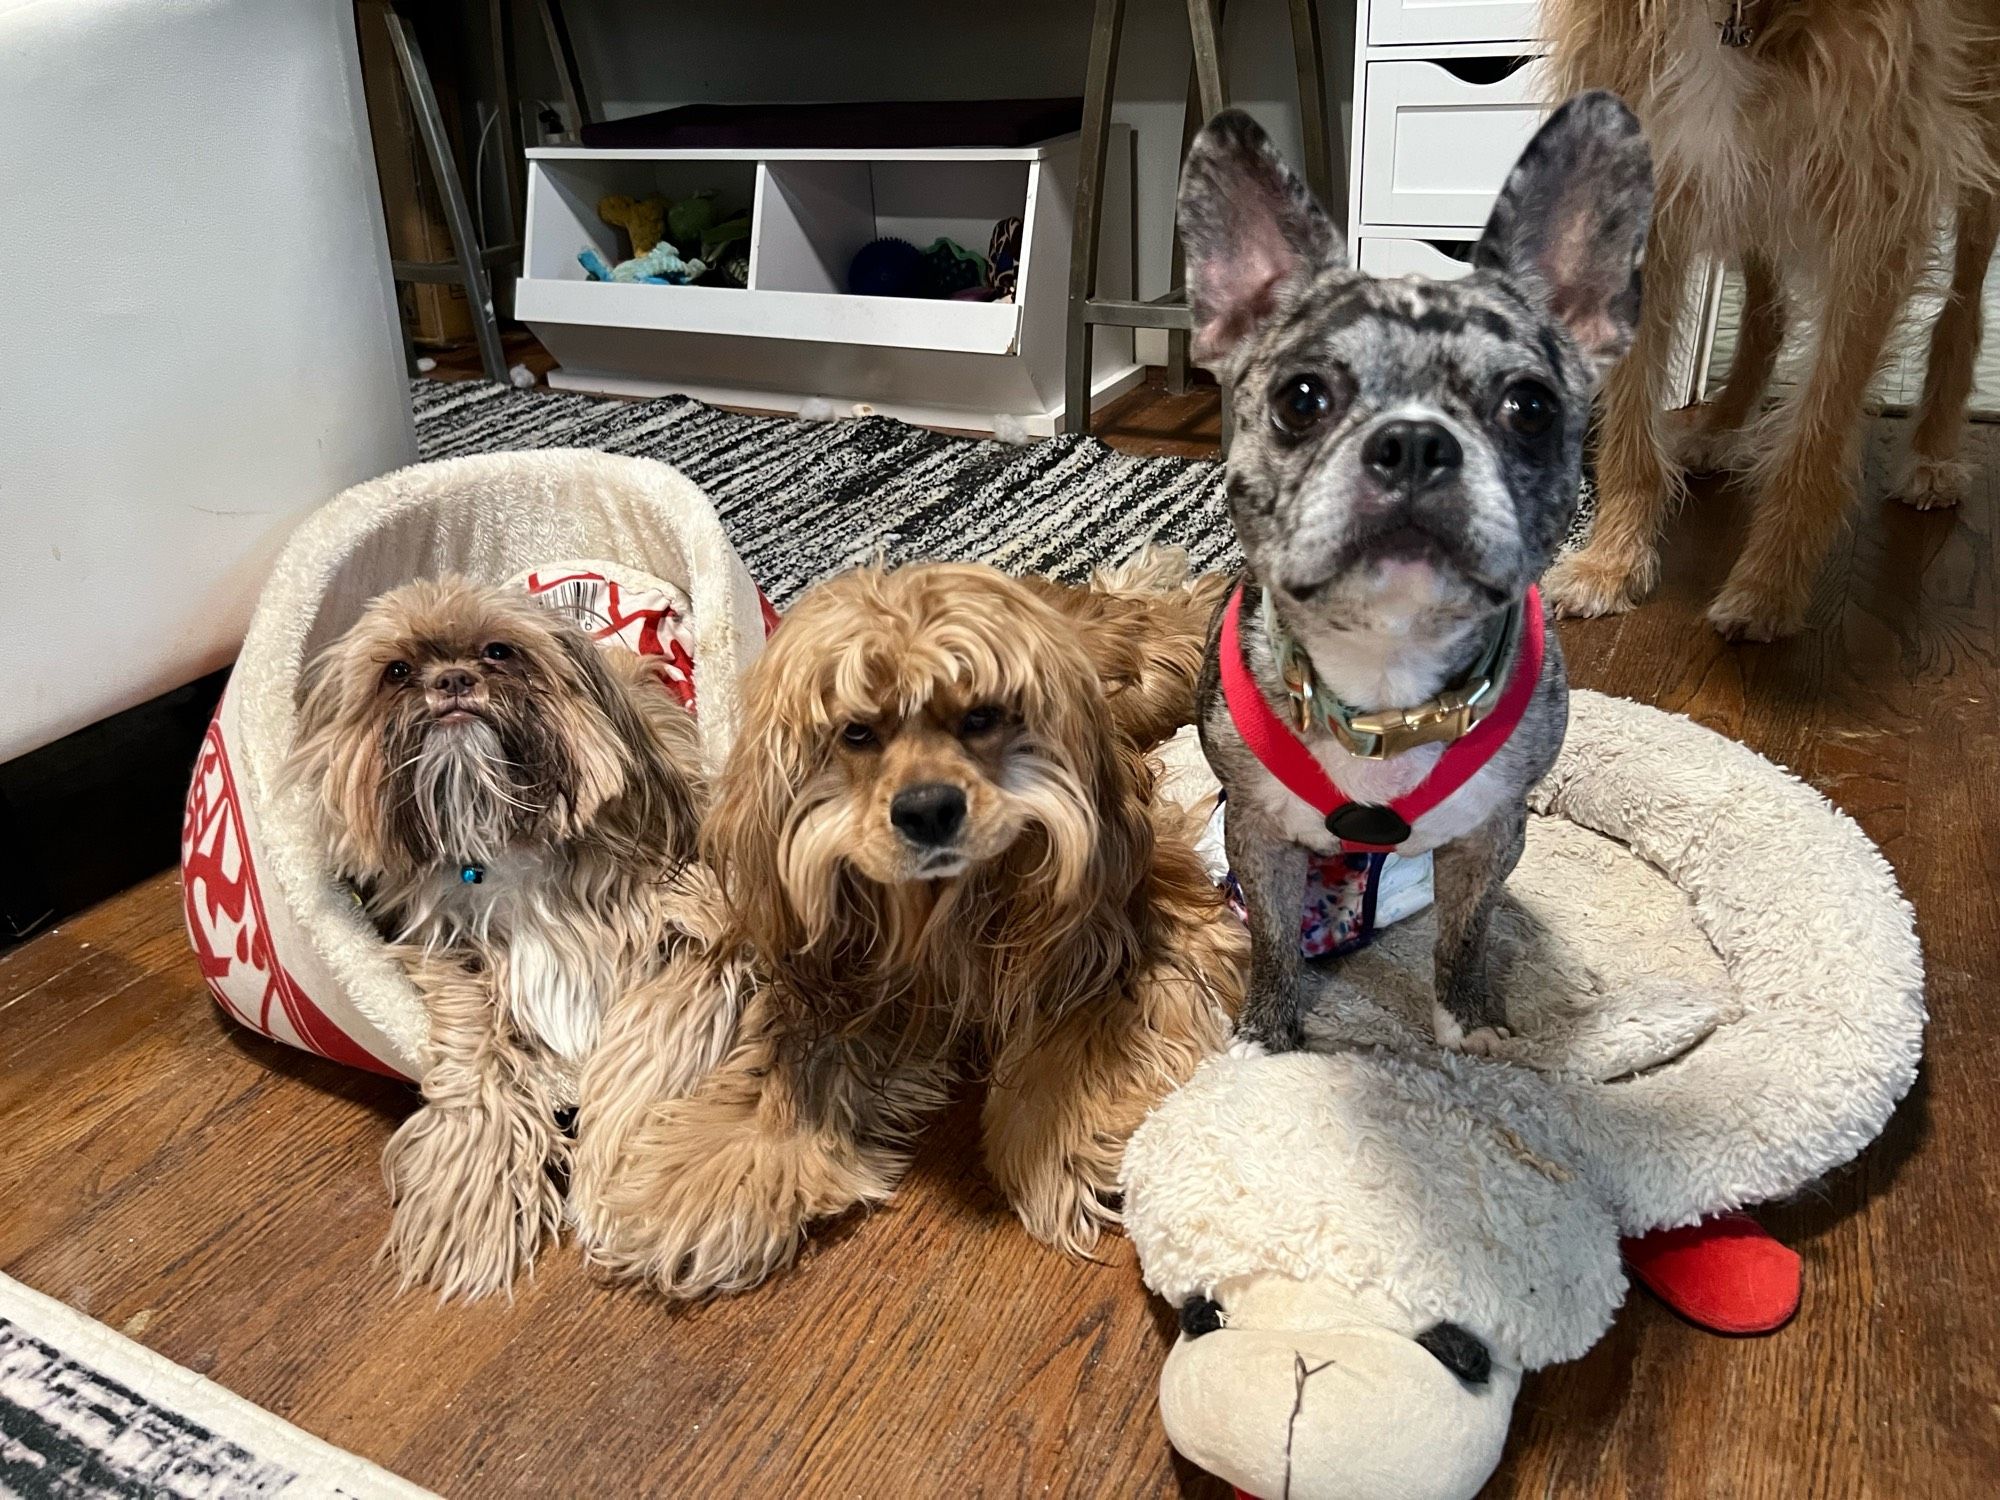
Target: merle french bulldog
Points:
(1405, 464)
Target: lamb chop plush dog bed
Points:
(284, 950)
(1718, 995)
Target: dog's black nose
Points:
(929, 814)
(453, 682)
(1410, 455)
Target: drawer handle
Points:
(1458, 250)
(1481, 71)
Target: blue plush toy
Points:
(659, 266)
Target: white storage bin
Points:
(1403, 22)
(1435, 146)
(796, 333)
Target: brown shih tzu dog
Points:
(517, 810)
(937, 843)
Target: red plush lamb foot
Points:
(1724, 1274)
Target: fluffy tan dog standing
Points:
(516, 809)
(940, 848)
(1822, 157)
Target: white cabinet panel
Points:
(1382, 256)
(1435, 149)
(1399, 22)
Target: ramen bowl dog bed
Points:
(284, 949)
(1717, 995)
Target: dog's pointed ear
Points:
(1252, 233)
(1572, 221)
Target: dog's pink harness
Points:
(1365, 827)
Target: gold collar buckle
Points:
(1390, 731)
(1445, 718)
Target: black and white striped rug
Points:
(802, 500)
(87, 1414)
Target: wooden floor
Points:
(219, 1197)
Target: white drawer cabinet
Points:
(1394, 23)
(1446, 93)
(1435, 147)
(1380, 255)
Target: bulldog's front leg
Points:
(1469, 872)
(1271, 870)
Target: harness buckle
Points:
(1299, 686)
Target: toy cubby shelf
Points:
(795, 333)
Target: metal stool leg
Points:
(1208, 97)
(569, 77)
(1177, 339)
(1192, 119)
(506, 103)
(1307, 58)
(451, 188)
(1205, 29)
(1100, 81)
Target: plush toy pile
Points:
(944, 268)
(1720, 993)
(673, 243)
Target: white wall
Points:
(198, 329)
(637, 58)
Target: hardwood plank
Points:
(221, 1195)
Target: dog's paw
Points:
(1701, 447)
(691, 1226)
(1487, 1041)
(1246, 1046)
(1072, 1208)
(701, 1235)
(1056, 1156)
(1758, 612)
(1930, 483)
(713, 1197)
(471, 1198)
(1481, 1041)
(1587, 584)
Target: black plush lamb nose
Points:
(1410, 455)
(453, 682)
(929, 814)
